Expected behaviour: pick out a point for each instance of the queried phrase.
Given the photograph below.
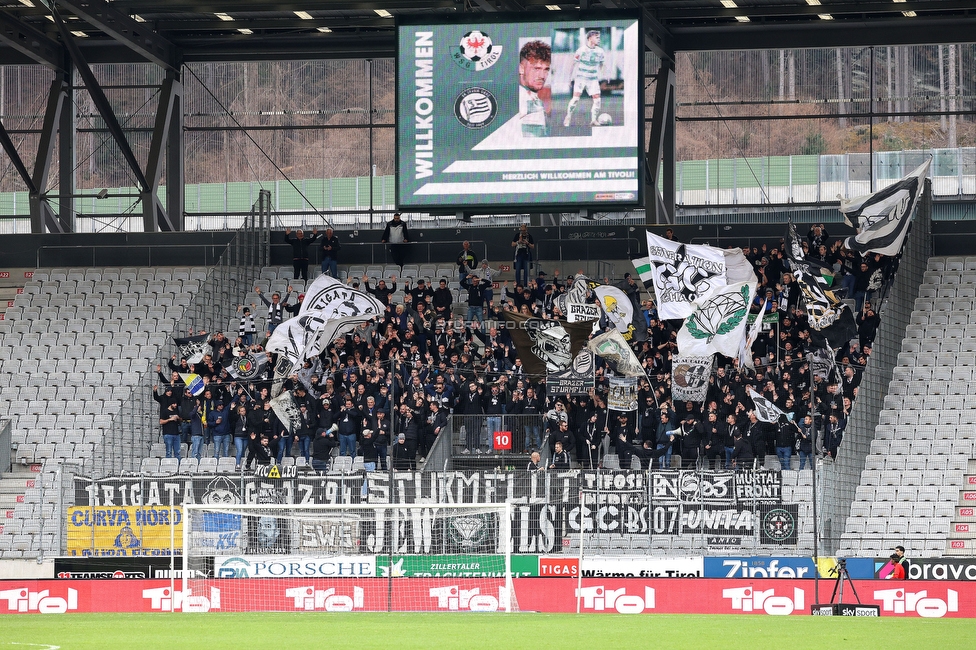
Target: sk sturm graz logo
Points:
(475, 51)
(475, 108)
(719, 316)
(779, 526)
(469, 531)
(691, 376)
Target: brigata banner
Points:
(456, 566)
(916, 599)
(124, 530)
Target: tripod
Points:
(842, 576)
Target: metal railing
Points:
(838, 481)
(136, 427)
(6, 444)
(475, 433)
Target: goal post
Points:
(365, 557)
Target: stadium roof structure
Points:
(171, 32)
(70, 35)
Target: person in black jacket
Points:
(692, 440)
(742, 456)
(330, 253)
(322, 449)
(299, 247)
(402, 460)
(560, 458)
(713, 441)
(785, 439)
(645, 452)
(258, 449)
(396, 235)
(471, 405)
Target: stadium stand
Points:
(69, 346)
(912, 488)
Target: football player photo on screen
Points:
(587, 79)
(535, 96)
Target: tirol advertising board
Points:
(917, 599)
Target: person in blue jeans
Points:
(523, 245)
(805, 448)
(349, 420)
(218, 422)
(330, 253)
(169, 422)
(196, 432)
(785, 439)
(242, 430)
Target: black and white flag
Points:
(766, 411)
(682, 274)
(824, 309)
(248, 367)
(191, 347)
(882, 219)
(546, 345)
(689, 377)
(335, 300)
(287, 411)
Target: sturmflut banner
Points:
(547, 508)
(519, 113)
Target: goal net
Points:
(430, 557)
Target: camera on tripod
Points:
(841, 567)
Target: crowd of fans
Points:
(385, 391)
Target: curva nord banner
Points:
(915, 599)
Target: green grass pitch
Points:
(435, 631)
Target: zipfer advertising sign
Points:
(784, 567)
(916, 599)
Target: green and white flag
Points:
(718, 322)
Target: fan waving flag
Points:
(191, 347)
(194, 383)
(718, 323)
(248, 367)
(326, 294)
(766, 411)
(683, 273)
(882, 219)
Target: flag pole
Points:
(813, 484)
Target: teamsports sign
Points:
(525, 113)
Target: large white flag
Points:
(618, 308)
(683, 273)
(882, 219)
(612, 347)
(335, 299)
(719, 321)
(330, 309)
(745, 352)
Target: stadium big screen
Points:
(534, 113)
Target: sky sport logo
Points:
(475, 108)
(475, 51)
